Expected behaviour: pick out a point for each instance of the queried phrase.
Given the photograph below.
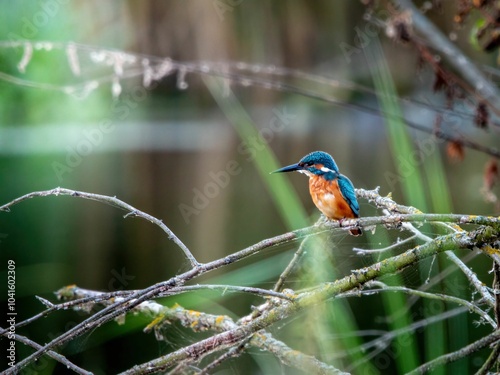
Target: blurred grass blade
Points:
(399, 139)
(287, 201)
(291, 210)
(404, 347)
(437, 337)
(414, 194)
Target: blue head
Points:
(317, 163)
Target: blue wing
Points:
(347, 190)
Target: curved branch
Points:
(459, 354)
(472, 307)
(112, 201)
(232, 72)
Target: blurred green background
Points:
(156, 147)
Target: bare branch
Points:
(291, 357)
(243, 74)
(459, 354)
(395, 245)
(325, 291)
(200, 321)
(437, 296)
(490, 362)
(113, 201)
(453, 55)
(74, 292)
(289, 268)
(128, 301)
(54, 355)
(235, 351)
(380, 343)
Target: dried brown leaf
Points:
(439, 82)
(455, 151)
(490, 174)
(481, 119)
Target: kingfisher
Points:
(332, 192)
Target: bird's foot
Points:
(355, 231)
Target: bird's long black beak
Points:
(290, 168)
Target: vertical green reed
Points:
(413, 190)
(457, 330)
(325, 321)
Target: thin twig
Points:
(395, 245)
(52, 354)
(490, 362)
(455, 241)
(496, 288)
(237, 76)
(90, 300)
(75, 292)
(326, 291)
(388, 204)
(289, 268)
(456, 355)
(473, 279)
(293, 358)
(437, 296)
(493, 357)
(235, 351)
(381, 343)
(471, 276)
(296, 258)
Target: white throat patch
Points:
(306, 172)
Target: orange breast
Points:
(327, 197)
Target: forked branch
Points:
(279, 306)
